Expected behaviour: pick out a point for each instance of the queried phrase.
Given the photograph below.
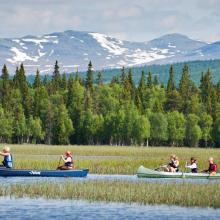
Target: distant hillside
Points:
(74, 49)
(196, 69)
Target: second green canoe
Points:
(143, 172)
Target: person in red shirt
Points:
(212, 167)
(68, 161)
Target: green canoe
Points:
(143, 172)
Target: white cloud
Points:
(129, 19)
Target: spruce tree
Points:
(5, 74)
(89, 77)
(5, 89)
(64, 82)
(184, 89)
(131, 84)
(184, 86)
(37, 80)
(56, 78)
(156, 80)
(149, 80)
(171, 83)
(141, 91)
(99, 79)
(123, 75)
(207, 89)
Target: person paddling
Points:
(173, 165)
(68, 161)
(193, 165)
(7, 162)
(212, 167)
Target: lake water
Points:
(103, 177)
(26, 208)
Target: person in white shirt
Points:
(193, 165)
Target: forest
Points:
(73, 110)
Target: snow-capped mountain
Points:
(74, 49)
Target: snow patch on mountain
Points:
(73, 48)
(19, 56)
(112, 45)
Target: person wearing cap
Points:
(68, 161)
(7, 162)
(193, 165)
(212, 167)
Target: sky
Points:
(133, 20)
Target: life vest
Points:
(8, 161)
(70, 163)
(213, 168)
(172, 164)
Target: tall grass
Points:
(107, 159)
(185, 194)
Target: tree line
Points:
(73, 110)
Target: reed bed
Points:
(107, 159)
(182, 194)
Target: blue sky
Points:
(135, 20)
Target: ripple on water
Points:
(26, 208)
(102, 177)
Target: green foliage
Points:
(89, 77)
(158, 127)
(171, 83)
(65, 109)
(216, 131)
(176, 127)
(205, 123)
(193, 131)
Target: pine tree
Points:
(64, 82)
(37, 80)
(171, 83)
(89, 77)
(45, 80)
(5, 89)
(5, 74)
(149, 80)
(156, 80)
(56, 78)
(99, 79)
(206, 88)
(131, 84)
(184, 89)
(141, 92)
(218, 91)
(123, 75)
(184, 86)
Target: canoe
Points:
(5, 172)
(144, 172)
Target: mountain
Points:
(74, 49)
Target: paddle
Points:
(59, 161)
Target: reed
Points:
(182, 194)
(107, 159)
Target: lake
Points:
(25, 208)
(104, 177)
